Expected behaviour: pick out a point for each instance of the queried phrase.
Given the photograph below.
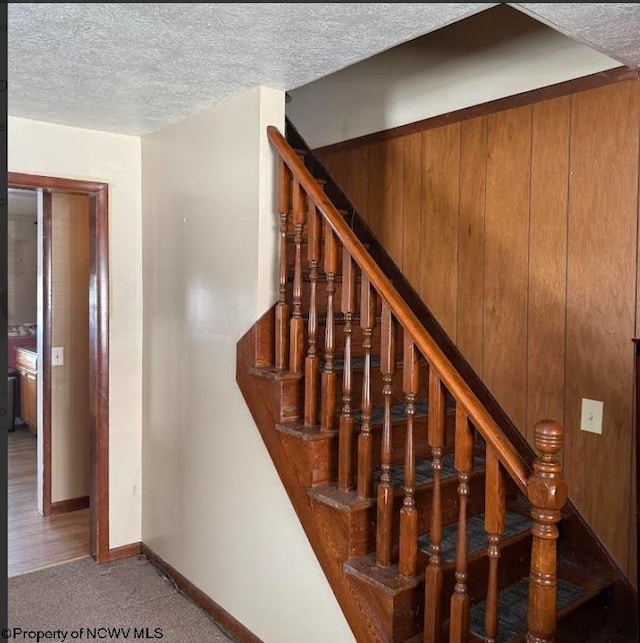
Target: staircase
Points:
(431, 517)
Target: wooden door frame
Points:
(98, 345)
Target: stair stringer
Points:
(261, 395)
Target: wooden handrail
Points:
(511, 460)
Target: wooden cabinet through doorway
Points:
(26, 365)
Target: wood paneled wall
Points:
(520, 231)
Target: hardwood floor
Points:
(37, 541)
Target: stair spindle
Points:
(547, 492)
(282, 308)
(494, 526)
(433, 573)
(409, 513)
(459, 621)
(328, 383)
(384, 526)
(365, 439)
(312, 362)
(296, 342)
(348, 305)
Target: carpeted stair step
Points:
(514, 524)
(512, 608)
(348, 507)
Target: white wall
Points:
(61, 151)
(214, 507)
(494, 54)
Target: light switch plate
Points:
(57, 356)
(591, 418)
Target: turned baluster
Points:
(328, 383)
(282, 308)
(547, 493)
(433, 573)
(459, 621)
(409, 513)
(494, 526)
(365, 439)
(296, 342)
(384, 525)
(348, 305)
(312, 362)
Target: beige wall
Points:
(214, 507)
(22, 258)
(70, 330)
(56, 150)
(494, 54)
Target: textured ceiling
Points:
(612, 28)
(133, 68)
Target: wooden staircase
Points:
(431, 517)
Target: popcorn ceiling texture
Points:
(612, 28)
(134, 68)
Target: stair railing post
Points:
(296, 341)
(328, 378)
(312, 362)
(282, 309)
(345, 440)
(547, 493)
(384, 524)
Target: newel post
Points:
(547, 493)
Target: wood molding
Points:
(616, 75)
(98, 341)
(218, 613)
(125, 551)
(65, 506)
(44, 368)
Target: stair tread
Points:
(512, 608)
(424, 470)
(514, 524)
(346, 500)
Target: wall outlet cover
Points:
(57, 356)
(591, 417)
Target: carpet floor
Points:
(80, 597)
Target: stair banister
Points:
(509, 457)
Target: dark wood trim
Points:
(99, 371)
(98, 342)
(616, 75)
(65, 506)
(44, 367)
(124, 551)
(218, 613)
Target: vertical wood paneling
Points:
(536, 268)
(439, 225)
(358, 162)
(601, 305)
(473, 175)
(338, 165)
(412, 208)
(386, 195)
(548, 262)
(506, 250)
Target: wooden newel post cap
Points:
(549, 437)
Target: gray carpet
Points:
(126, 594)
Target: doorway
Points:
(98, 351)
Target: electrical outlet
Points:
(591, 419)
(57, 356)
